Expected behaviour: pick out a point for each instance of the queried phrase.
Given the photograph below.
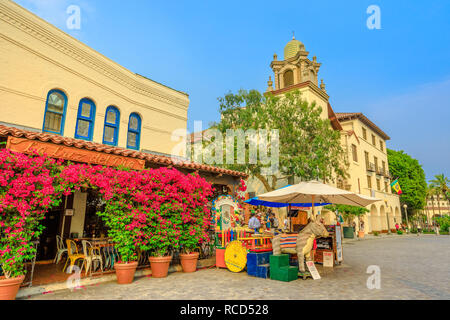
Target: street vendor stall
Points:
(310, 192)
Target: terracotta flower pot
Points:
(10, 287)
(160, 266)
(125, 272)
(361, 234)
(189, 261)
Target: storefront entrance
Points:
(47, 248)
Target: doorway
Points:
(47, 242)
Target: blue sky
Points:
(398, 76)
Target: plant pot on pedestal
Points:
(125, 272)
(361, 234)
(9, 287)
(189, 261)
(160, 266)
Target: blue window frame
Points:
(111, 128)
(85, 120)
(55, 112)
(134, 132)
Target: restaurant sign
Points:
(72, 154)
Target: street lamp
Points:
(406, 214)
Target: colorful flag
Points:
(396, 186)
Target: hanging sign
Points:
(312, 269)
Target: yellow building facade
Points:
(437, 205)
(365, 146)
(51, 82)
(363, 141)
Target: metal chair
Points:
(91, 254)
(61, 249)
(72, 254)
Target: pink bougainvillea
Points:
(151, 210)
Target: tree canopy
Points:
(308, 146)
(411, 178)
(440, 185)
(348, 212)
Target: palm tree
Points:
(430, 195)
(441, 183)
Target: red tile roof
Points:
(92, 146)
(345, 116)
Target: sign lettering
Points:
(72, 154)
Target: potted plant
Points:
(163, 230)
(189, 242)
(196, 220)
(160, 262)
(349, 213)
(124, 238)
(125, 218)
(28, 190)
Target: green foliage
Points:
(411, 178)
(309, 148)
(376, 234)
(348, 212)
(440, 185)
(400, 232)
(444, 223)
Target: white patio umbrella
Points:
(315, 191)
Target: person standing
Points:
(254, 223)
(286, 224)
(274, 223)
(419, 229)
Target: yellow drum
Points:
(235, 256)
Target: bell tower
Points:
(296, 67)
(298, 72)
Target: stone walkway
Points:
(411, 268)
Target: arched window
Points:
(111, 130)
(85, 120)
(288, 78)
(134, 132)
(55, 112)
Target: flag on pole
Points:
(396, 186)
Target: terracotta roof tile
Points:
(344, 116)
(81, 144)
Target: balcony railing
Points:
(370, 167)
(380, 171)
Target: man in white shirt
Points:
(254, 223)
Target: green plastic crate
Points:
(278, 261)
(286, 274)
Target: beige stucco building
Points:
(363, 141)
(61, 97)
(51, 82)
(365, 146)
(437, 205)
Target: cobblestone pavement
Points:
(411, 268)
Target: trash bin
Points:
(348, 233)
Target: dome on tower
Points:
(292, 48)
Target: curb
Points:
(85, 282)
